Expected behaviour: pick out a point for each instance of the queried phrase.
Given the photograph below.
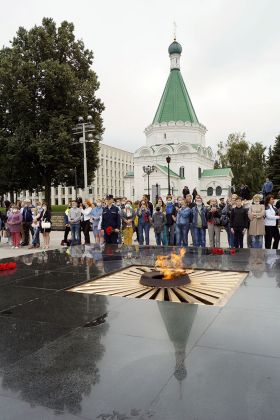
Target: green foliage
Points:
(58, 209)
(273, 164)
(246, 160)
(46, 82)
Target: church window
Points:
(182, 172)
(164, 135)
(210, 191)
(219, 190)
(199, 173)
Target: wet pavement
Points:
(72, 356)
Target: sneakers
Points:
(16, 247)
(13, 247)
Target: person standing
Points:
(185, 191)
(256, 215)
(144, 222)
(199, 222)
(127, 218)
(194, 194)
(27, 220)
(86, 215)
(67, 229)
(111, 221)
(267, 187)
(271, 223)
(45, 223)
(238, 223)
(96, 215)
(14, 222)
(213, 217)
(183, 220)
(159, 221)
(74, 217)
(170, 219)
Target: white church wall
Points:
(172, 132)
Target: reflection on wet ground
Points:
(77, 356)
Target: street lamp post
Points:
(148, 170)
(157, 192)
(85, 129)
(168, 160)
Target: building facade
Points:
(176, 133)
(114, 163)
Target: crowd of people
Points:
(181, 221)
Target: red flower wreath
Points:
(109, 230)
(8, 266)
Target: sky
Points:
(230, 60)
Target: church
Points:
(176, 154)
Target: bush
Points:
(58, 209)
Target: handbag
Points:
(46, 225)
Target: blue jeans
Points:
(144, 227)
(257, 241)
(182, 232)
(76, 234)
(159, 238)
(36, 236)
(230, 237)
(199, 237)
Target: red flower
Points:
(8, 266)
(217, 251)
(109, 230)
(232, 251)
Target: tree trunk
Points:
(48, 194)
(12, 196)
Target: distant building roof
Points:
(217, 172)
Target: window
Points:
(56, 201)
(70, 190)
(63, 201)
(182, 172)
(90, 190)
(219, 190)
(164, 136)
(199, 173)
(63, 191)
(210, 191)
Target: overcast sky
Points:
(230, 60)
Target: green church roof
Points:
(175, 104)
(217, 172)
(165, 169)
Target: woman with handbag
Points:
(45, 225)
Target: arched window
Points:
(219, 190)
(182, 172)
(210, 191)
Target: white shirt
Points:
(86, 213)
(270, 216)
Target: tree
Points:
(273, 164)
(246, 161)
(46, 82)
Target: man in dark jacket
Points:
(111, 221)
(26, 222)
(185, 191)
(239, 223)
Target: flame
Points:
(171, 266)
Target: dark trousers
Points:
(66, 233)
(271, 232)
(238, 238)
(111, 239)
(26, 227)
(170, 234)
(86, 230)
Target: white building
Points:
(177, 133)
(114, 163)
